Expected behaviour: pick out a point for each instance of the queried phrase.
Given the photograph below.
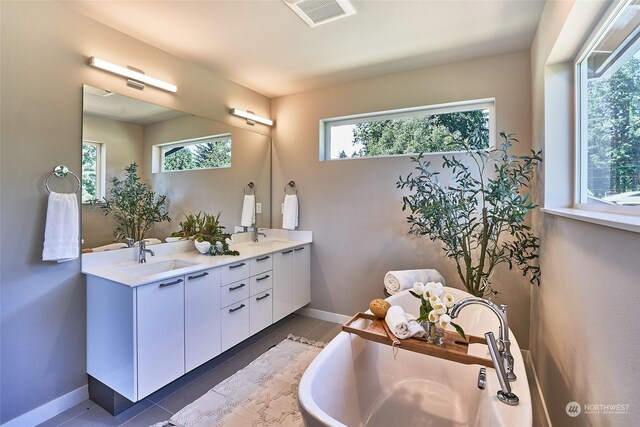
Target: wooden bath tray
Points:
(455, 348)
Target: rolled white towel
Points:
(401, 324)
(399, 280)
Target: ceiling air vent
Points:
(316, 12)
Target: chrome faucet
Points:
(256, 233)
(505, 394)
(142, 254)
(504, 345)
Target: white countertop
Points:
(113, 265)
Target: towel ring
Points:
(61, 171)
(250, 189)
(291, 186)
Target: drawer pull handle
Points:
(233, 288)
(299, 249)
(263, 258)
(262, 297)
(231, 310)
(259, 279)
(175, 282)
(287, 252)
(197, 276)
(231, 267)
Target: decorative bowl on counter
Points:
(202, 247)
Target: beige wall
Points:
(353, 206)
(123, 145)
(44, 54)
(584, 337)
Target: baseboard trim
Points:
(50, 409)
(529, 360)
(323, 315)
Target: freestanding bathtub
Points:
(355, 382)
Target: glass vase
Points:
(435, 334)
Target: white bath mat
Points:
(264, 393)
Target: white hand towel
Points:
(401, 324)
(290, 212)
(61, 234)
(248, 217)
(397, 281)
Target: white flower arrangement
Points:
(435, 304)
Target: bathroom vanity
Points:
(148, 324)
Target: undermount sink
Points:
(157, 267)
(269, 243)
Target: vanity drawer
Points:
(260, 283)
(261, 311)
(234, 324)
(234, 272)
(234, 292)
(260, 264)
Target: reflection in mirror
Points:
(197, 163)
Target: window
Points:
(609, 114)
(199, 153)
(93, 171)
(430, 129)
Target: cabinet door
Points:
(160, 334)
(201, 318)
(282, 284)
(301, 277)
(260, 311)
(234, 324)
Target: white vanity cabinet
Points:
(141, 337)
(291, 280)
(201, 317)
(135, 335)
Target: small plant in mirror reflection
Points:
(134, 205)
(203, 227)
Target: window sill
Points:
(607, 219)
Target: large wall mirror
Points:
(197, 163)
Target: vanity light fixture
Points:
(136, 79)
(250, 117)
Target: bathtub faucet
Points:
(504, 345)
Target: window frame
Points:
(101, 170)
(444, 108)
(158, 159)
(580, 110)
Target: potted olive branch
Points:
(480, 217)
(134, 205)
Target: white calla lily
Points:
(418, 288)
(433, 300)
(449, 300)
(434, 288)
(444, 320)
(433, 316)
(440, 308)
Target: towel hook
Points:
(250, 189)
(292, 187)
(61, 171)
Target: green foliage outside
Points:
(613, 132)
(420, 134)
(480, 217)
(89, 172)
(134, 205)
(198, 156)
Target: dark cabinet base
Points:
(108, 399)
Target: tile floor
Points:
(161, 405)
